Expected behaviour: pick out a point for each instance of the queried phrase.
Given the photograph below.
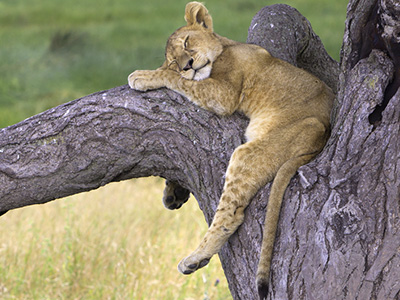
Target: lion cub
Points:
(289, 111)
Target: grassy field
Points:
(117, 242)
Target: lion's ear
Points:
(197, 13)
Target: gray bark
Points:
(339, 228)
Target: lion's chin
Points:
(198, 74)
(203, 73)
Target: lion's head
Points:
(192, 49)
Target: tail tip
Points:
(262, 287)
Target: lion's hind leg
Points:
(251, 166)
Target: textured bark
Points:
(339, 228)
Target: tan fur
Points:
(289, 113)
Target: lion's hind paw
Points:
(174, 195)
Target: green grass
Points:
(54, 51)
(117, 242)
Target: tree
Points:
(339, 229)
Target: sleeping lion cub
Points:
(289, 112)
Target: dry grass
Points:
(118, 242)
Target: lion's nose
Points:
(189, 65)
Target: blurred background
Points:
(117, 242)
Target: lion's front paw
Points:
(192, 263)
(143, 80)
(174, 195)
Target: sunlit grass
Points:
(118, 242)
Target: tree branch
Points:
(110, 136)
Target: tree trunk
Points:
(339, 228)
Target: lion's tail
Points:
(279, 185)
